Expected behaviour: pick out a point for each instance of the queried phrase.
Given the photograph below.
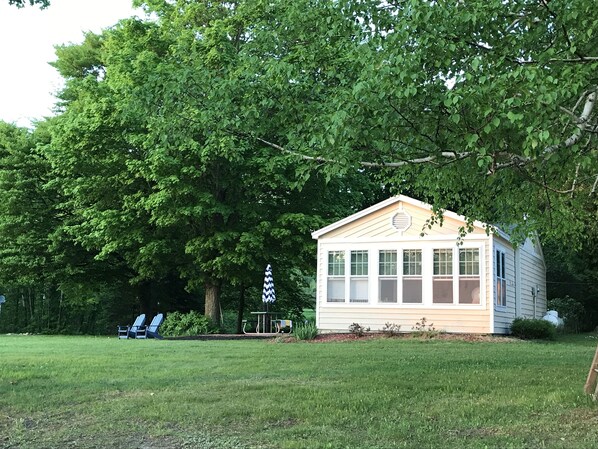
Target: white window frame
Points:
(355, 277)
(420, 276)
(335, 276)
(500, 278)
(388, 277)
(444, 276)
(470, 276)
(427, 250)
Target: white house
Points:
(375, 267)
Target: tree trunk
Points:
(144, 294)
(240, 310)
(212, 309)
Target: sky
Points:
(27, 39)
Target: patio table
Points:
(262, 320)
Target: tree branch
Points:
(447, 155)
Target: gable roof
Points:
(388, 202)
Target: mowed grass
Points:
(86, 392)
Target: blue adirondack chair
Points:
(151, 331)
(130, 331)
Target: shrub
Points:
(358, 329)
(530, 329)
(570, 310)
(424, 329)
(391, 329)
(423, 326)
(179, 324)
(307, 331)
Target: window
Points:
(501, 279)
(412, 276)
(387, 275)
(442, 281)
(469, 276)
(358, 287)
(336, 276)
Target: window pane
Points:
(336, 263)
(358, 290)
(442, 290)
(469, 262)
(412, 262)
(336, 290)
(501, 282)
(388, 290)
(359, 263)
(387, 263)
(412, 290)
(443, 262)
(469, 290)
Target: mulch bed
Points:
(342, 337)
(324, 338)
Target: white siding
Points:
(378, 225)
(503, 316)
(531, 273)
(338, 318)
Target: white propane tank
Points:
(552, 316)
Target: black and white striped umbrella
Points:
(268, 294)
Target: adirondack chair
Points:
(130, 331)
(151, 331)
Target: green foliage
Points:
(533, 329)
(574, 273)
(21, 3)
(358, 330)
(179, 324)
(570, 310)
(306, 331)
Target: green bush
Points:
(533, 329)
(570, 310)
(307, 331)
(358, 329)
(179, 324)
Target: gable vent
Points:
(401, 221)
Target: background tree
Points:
(155, 179)
(100, 175)
(20, 3)
(27, 219)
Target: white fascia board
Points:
(356, 216)
(396, 199)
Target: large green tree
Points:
(27, 220)
(155, 172)
(458, 102)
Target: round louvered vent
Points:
(401, 221)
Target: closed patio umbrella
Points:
(268, 293)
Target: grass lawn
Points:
(99, 392)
